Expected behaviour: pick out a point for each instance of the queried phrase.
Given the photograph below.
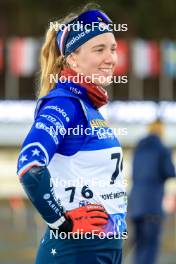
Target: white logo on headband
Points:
(76, 38)
(103, 26)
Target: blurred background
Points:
(146, 90)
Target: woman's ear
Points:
(71, 60)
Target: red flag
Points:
(14, 55)
(23, 56)
(122, 58)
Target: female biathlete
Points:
(70, 164)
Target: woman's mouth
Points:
(106, 71)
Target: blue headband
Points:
(84, 27)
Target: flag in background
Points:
(1, 55)
(169, 58)
(23, 56)
(145, 58)
(122, 58)
(155, 55)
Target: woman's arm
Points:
(38, 148)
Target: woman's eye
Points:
(99, 50)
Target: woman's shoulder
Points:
(62, 101)
(68, 107)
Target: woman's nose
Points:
(111, 58)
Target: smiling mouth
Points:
(106, 70)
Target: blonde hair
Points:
(51, 61)
(157, 127)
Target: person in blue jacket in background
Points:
(75, 180)
(152, 166)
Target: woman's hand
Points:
(91, 217)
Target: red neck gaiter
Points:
(96, 94)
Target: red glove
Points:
(88, 218)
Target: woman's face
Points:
(97, 58)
